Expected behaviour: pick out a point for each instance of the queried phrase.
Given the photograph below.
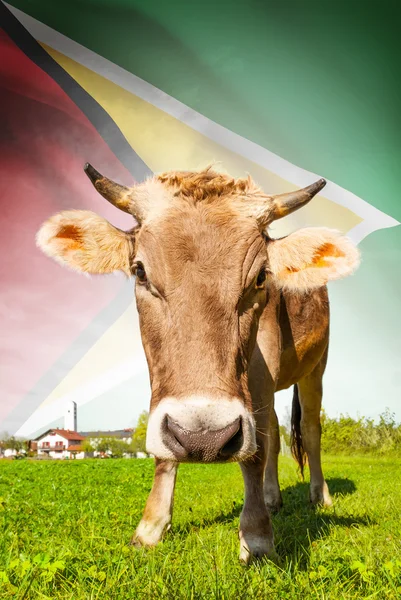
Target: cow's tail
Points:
(297, 448)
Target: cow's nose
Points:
(203, 445)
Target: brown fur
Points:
(324, 253)
(70, 232)
(199, 279)
(206, 185)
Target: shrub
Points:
(346, 434)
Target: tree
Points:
(138, 443)
(13, 443)
(285, 435)
(87, 445)
(286, 420)
(103, 444)
(118, 447)
(110, 445)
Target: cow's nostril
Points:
(203, 445)
(234, 444)
(171, 440)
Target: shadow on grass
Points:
(224, 518)
(299, 492)
(298, 524)
(341, 486)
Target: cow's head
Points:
(204, 266)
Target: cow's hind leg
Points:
(159, 506)
(271, 486)
(256, 532)
(310, 398)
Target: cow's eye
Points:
(261, 278)
(141, 273)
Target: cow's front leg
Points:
(256, 532)
(159, 506)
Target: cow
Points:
(228, 316)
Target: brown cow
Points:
(228, 316)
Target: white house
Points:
(60, 443)
(9, 452)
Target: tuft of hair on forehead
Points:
(206, 185)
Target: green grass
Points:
(65, 528)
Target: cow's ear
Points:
(311, 257)
(85, 242)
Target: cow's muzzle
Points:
(201, 429)
(203, 445)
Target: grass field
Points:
(65, 528)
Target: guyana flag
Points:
(136, 88)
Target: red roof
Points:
(65, 433)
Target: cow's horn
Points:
(116, 194)
(285, 204)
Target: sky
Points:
(120, 103)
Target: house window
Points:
(46, 444)
(59, 444)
